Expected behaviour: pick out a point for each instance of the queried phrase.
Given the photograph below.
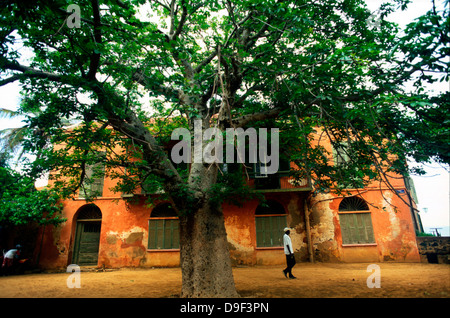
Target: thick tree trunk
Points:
(204, 254)
(205, 258)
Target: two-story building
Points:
(374, 224)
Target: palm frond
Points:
(8, 113)
(11, 140)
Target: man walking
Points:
(289, 251)
(9, 259)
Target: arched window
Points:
(356, 221)
(353, 204)
(163, 230)
(89, 212)
(270, 220)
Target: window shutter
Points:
(163, 228)
(269, 230)
(356, 228)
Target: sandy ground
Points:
(321, 280)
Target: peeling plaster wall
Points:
(387, 207)
(323, 221)
(392, 225)
(123, 237)
(395, 233)
(124, 248)
(124, 233)
(240, 237)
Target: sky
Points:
(432, 189)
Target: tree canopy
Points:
(306, 63)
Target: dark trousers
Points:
(290, 261)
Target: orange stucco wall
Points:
(240, 225)
(124, 233)
(123, 237)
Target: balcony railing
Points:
(278, 182)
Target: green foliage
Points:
(22, 203)
(231, 187)
(317, 70)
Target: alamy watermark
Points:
(208, 146)
(74, 19)
(374, 279)
(74, 279)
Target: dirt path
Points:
(314, 281)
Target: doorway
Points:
(87, 236)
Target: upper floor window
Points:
(341, 153)
(93, 181)
(259, 169)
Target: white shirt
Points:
(11, 253)
(287, 242)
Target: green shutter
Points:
(278, 233)
(269, 230)
(345, 228)
(163, 234)
(175, 234)
(356, 228)
(259, 231)
(152, 232)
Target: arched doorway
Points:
(87, 235)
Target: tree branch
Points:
(162, 5)
(95, 56)
(206, 61)
(11, 79)
(254, 88)
(182, 20)
(28, 72)
(246, 119)
(169, 93)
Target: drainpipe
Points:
(308, 233)
(40, 246)
(417, 227)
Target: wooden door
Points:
(87, 242)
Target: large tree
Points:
(144, 68)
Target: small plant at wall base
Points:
(424, 234)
